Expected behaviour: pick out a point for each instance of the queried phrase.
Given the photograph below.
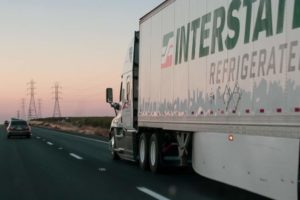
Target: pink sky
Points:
(80, 44)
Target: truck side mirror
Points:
(109, 95)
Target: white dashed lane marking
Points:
(102, 169)
(76, 156)
(50, 143)
(152, 193)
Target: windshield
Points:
(18, 123)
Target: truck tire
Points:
(154, 154)
(143, 151)
(114, 154)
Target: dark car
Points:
(6, 123)
(18, 128)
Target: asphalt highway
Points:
(60, 166)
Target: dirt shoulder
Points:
(71, 128)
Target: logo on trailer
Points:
(221, 31)
(167, 50)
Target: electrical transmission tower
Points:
(39, 108)
(57, 92)
(31, 108)
(23, 114)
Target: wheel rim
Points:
(153, 153)
(142, 150)
(112, 144)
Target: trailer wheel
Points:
(114, 154)
(154, 154)
(143, 151)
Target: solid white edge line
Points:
(85, 138)
(91, 139)
(76, 156)
(152, 193)
(50, 143)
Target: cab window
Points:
(128, 97)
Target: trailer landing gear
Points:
(183, 140)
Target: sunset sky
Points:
(80, 44)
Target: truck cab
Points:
(124, 126)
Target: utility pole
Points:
(23, 114)
(32, 108)
(39, 108)
(57, 92)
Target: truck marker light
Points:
(230, 137)
(261, 110)
(279, 110)
(233, 111)
(297, 109)
(247, 111)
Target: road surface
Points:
(57, 165)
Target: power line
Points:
(31, 108)
(73, 89)
(57, 92)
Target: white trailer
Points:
(219, 82)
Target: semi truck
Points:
(215, 85)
